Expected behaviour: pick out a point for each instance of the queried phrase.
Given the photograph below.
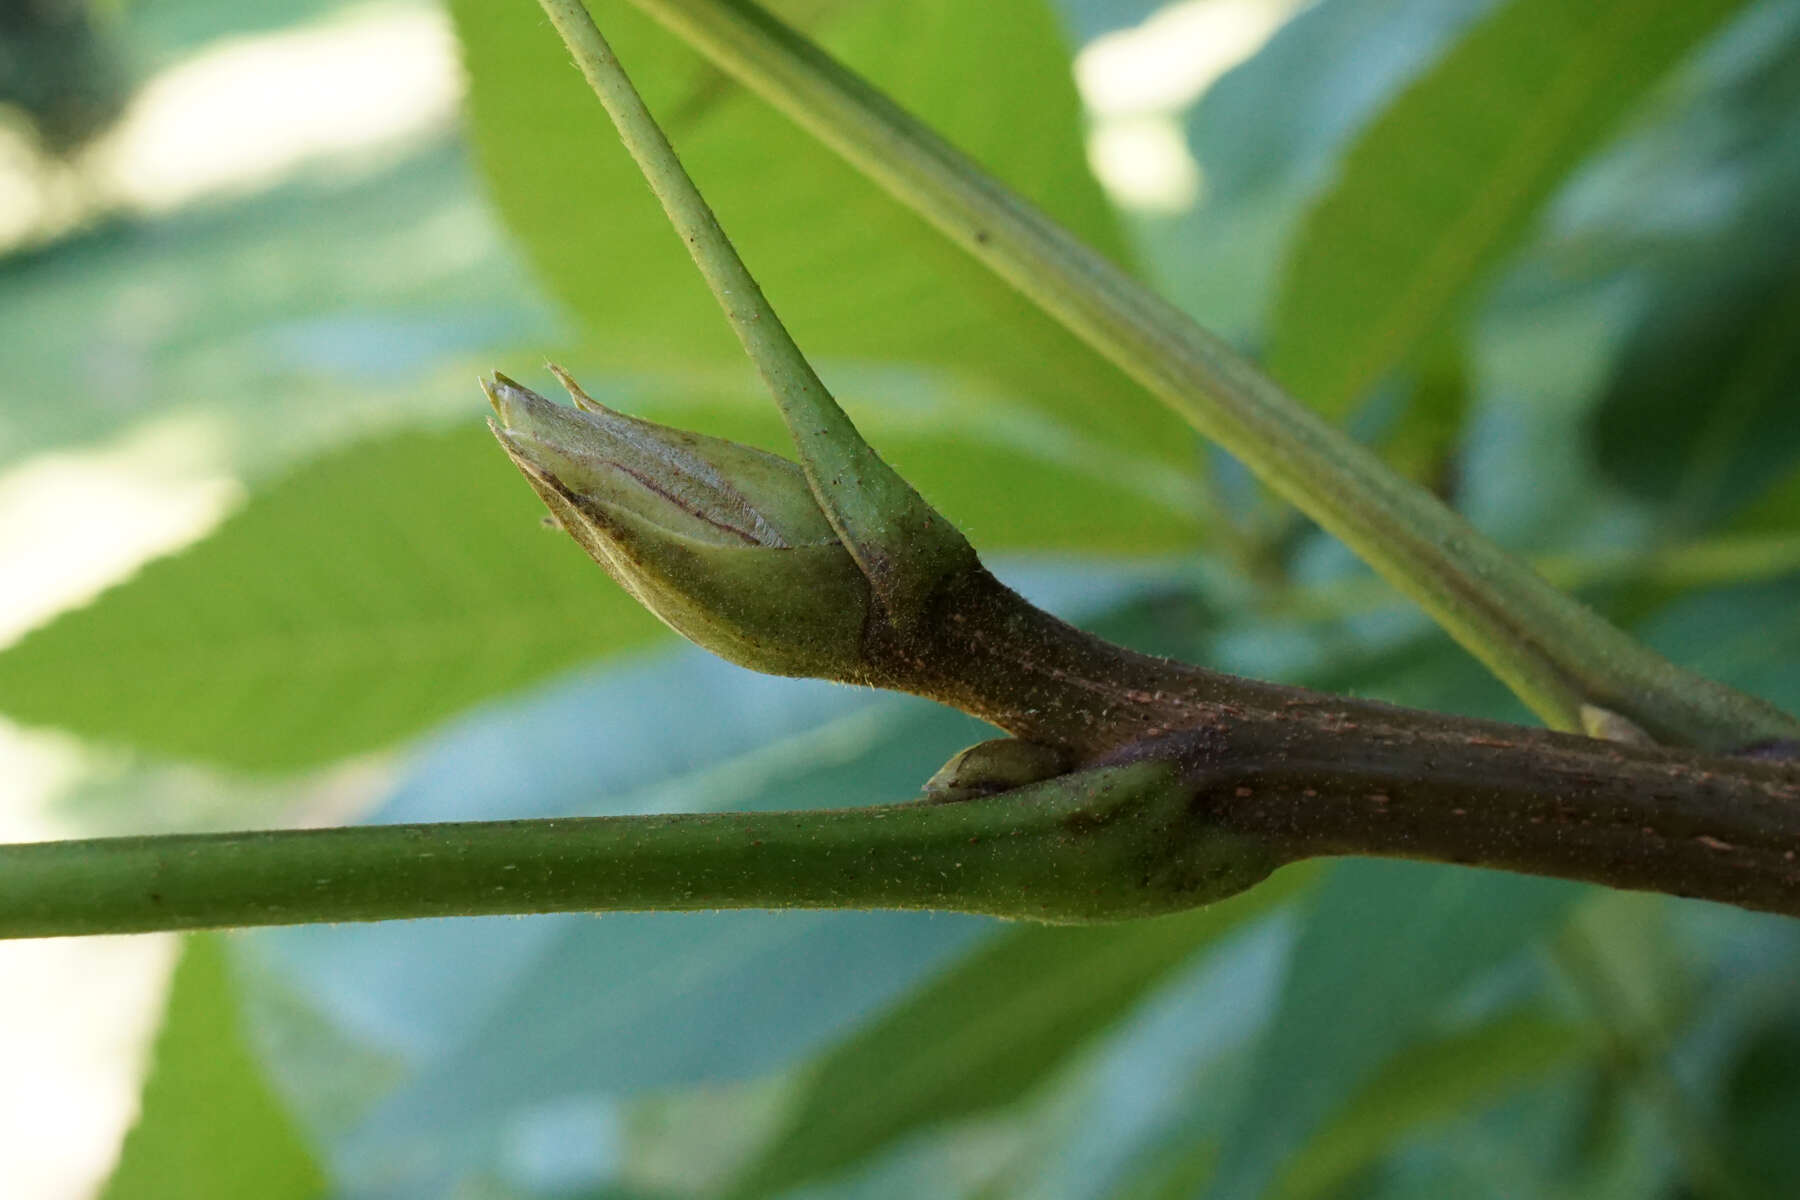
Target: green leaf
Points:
(210, 1126)
(986, 1032)
(1445, 181)
(1424, 437)
(854, 275)
(1385, 946)
(1747, 635)
(1762, 1106)
(367, 595)
(1267, 134)
(382, 588)
(1703, 411)
(1426, 1084)
(1776, 511)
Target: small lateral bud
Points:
(1609, 726)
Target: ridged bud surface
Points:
(725, 543)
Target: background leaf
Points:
(210, 1127)
(1446, 179)
(1763, 1106)
(1268, 136)
(1384, 947)
(1747, 635)
(854, 275)
(985, 1033)
(371, 592)
(273, 325)
(1432, 1081)
(1703, 411)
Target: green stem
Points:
(1093, 846)
(1715, 562)
(1177, 822)
(902, 544)
(1555, 653)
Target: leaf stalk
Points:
(1555, 653)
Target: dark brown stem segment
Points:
(1311, 774)
(1715, 828)
(989, 652)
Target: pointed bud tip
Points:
(509, 399)
(580, 398)
(535, 419)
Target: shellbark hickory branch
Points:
(894, 597)
(726, 545)
(1184, 820)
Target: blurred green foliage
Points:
(1389, 257)
(211, 1126)
(854, 275)
(60, 68)
(1608, 370)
